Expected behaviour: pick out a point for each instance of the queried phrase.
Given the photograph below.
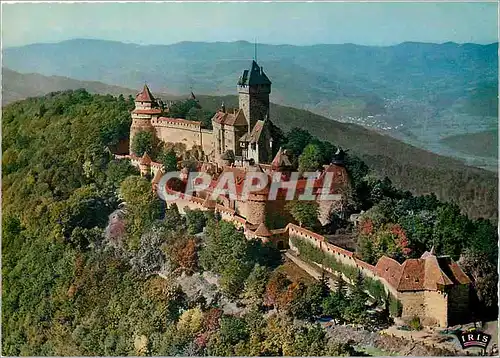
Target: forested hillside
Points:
(77, 282)
(70, 287)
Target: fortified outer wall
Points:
(430, 306)
(189, 133)
(207, 142)
(343, 256)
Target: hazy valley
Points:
(417, 92)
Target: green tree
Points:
(143, 143)
(169, 160)
(304, 212)
(296, 140)
(451, 230)
(255, 285)
(483, 274)
(143, 207)
(196, 220)
(311, 158)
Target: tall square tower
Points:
(254, 88)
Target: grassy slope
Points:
(482, 144)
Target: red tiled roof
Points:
(281, 160)
(147, 111)
(263, 231)
(235, 118)
(389, 269)
(457, 274)
(145, 95)
(412, 276)
(434, 275)
(426, 273)
(256, 132)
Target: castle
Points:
(241, 134)
(433, 288)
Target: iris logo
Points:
(473, 338)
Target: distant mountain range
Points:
(416, 92)
(17, 86)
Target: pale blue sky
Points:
(273, 23)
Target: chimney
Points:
(223, 108)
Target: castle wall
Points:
(207, 142)
(432, 307)
(178, 131)
(436, 308)
(413, 304)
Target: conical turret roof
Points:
(145, 95)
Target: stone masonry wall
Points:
(177, 132)
(436, 307)
(430, 306)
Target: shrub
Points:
(415, 324)
(395, 306)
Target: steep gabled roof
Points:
(256, 132)
(281, 160)
(236, 117)
(145, 95)
(426, 273)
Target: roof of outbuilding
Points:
(263, 231)
(426, 273)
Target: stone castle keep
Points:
(433, 288)
(242, 133)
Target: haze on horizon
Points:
(379, 24)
